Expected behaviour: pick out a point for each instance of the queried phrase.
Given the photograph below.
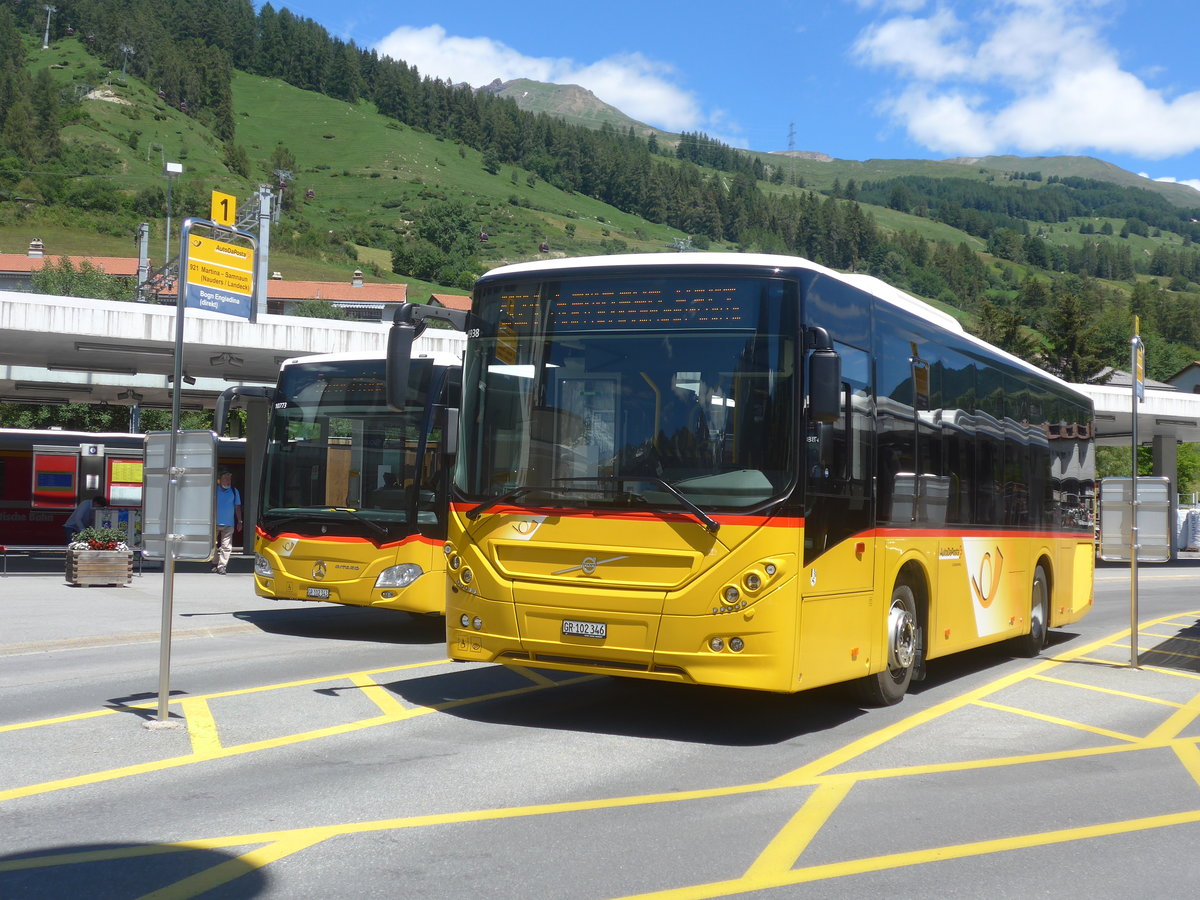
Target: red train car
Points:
(44, 475)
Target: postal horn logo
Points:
(318, 570)
(988, 577)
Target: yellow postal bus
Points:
(353, 491)
(752, 471)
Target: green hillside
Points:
(387, 170)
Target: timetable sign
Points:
(220, 276)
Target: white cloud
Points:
(634, 84)
(1028, 76)
(1190, 182)
(929, 49)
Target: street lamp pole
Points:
(171, 170)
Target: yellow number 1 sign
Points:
(224, 209)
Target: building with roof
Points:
(17, 269)
(358, 299)
(450, 301)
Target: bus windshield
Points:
(339, 461)
(632, 390)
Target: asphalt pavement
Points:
(36, 584)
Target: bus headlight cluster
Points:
(399, 576)
(461, 575)
(734, 597)
(262, 566)
(717, 644)
(467, 622)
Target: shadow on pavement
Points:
(346, 623)
(123, 870)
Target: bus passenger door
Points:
(837, 579)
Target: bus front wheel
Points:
(1031, 644)
(889, 686)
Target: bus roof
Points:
(440, 358)
(866, 283)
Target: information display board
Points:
(1153, 519)
(190, 534)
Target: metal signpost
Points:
(217, 273)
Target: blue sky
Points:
(856, 79)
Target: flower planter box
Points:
(88, 567)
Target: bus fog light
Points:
(467, 576)
(464, 620)
(399, 576)
(730, 595)
(262, 566)
(716, 644)
(737, 644)
(477, 623)
(752, 581)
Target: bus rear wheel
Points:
(889, 686)
(1031, 644)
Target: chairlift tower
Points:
(46, 38)
(128, 51)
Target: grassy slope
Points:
(367, 172)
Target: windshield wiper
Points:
(477, 511)
(359, 517)
(711, 525)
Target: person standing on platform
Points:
(229, 518)
(83, 517)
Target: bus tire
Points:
(1031, 644)
(889, 686)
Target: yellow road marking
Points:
(202, 728)
(771, 869)
(1172, 637)
(379, 695)
(225, 872)
(1189, 755)
(1103, 690)
(222, 752)
(918, 857)
(785, 848)
(1177, 721)
(533, 675)
(1057, 720)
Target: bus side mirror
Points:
(824, 386)
(399, 355)
(450, 438)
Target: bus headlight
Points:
(399, 576)
(262, 566)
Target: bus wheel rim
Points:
(902, 636)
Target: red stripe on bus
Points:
(657, 515)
